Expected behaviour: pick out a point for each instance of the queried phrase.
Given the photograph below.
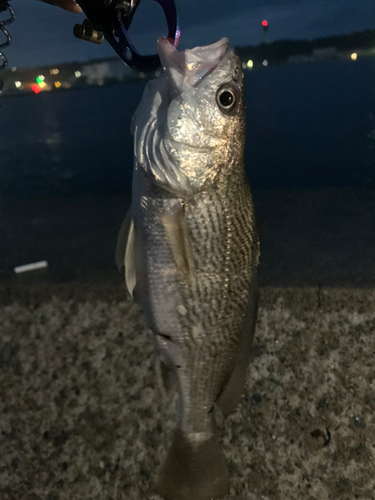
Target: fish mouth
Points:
(190, 67)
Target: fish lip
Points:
(169, 55)
(189, 67)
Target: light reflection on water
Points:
(307, 125)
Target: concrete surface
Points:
(82, 416)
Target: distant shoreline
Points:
(99, 72)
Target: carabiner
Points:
(4, 42)
(112, 18)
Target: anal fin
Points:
(166, 376)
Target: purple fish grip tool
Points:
(111, 19)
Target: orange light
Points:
(264, 23)
(35, 88)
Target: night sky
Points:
(42, 34)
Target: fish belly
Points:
(197, 322)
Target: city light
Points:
(77, 74)
(35, 88)
(264, 23)
(54, 71)
(42, 85)
(18, 84)
(250, 64)
(354, 56)
(265, 62)
(14, 69)
(39, 79)
(57, 84)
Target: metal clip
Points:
(85, 31)
(113, 18)
(3, 7)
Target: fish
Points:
(190, 249)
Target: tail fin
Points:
(193, 470)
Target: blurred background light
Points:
(35, 88)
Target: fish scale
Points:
(192, 251)
(216, 349)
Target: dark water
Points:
(308, 125)
(66, 161)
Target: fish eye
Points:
(226, 98)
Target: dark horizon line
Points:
(241, 47)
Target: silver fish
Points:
(192, 251)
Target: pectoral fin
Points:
(126, 252)
(176, 231)
(122, 239)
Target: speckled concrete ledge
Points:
(81, 416)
